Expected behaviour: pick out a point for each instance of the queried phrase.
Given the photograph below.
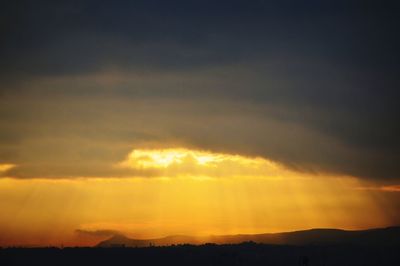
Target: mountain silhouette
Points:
(379, 236)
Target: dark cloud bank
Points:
(312, 84)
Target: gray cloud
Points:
(312, 85)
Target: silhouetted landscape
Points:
(317, 247)
(381, 236)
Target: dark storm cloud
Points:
(45, 37)
(311, 84)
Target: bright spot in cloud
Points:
(186, 162)
(6, 167)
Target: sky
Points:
(154, 118)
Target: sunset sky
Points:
(156, 118)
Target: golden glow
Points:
(50, 211)
(197, 163)
(150, 158)
(5, 167)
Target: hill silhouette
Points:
(379, 236)
(316, 247)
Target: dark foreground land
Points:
(238, 254)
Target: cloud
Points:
(86, 136)
(310, 85)
(391, 188)
(4, 168)
(181, 162)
